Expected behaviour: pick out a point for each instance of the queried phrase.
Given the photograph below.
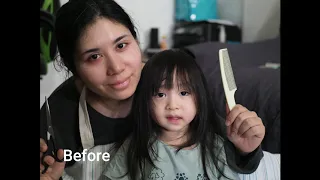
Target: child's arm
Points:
(243, 151)
(239, 162)
(244, 164)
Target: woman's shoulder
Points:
(65, 94)
(65, 91)
(63, 104)
(63, 100)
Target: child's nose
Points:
(172, 104)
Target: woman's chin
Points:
(122, 95)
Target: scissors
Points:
(51, 140)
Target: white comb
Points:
(229, 84)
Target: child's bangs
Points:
(166, 79)
(169, 65)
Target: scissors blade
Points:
(49, 123)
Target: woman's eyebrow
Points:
(90, 50)
(119, 38)
(97, 49)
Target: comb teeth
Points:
(228, 71)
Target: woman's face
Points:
(108, 60)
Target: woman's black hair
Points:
(75, 16)
(202, 130)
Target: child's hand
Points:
(244, 128)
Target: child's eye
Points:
(121, 45)
(184, 93)
(160, 95)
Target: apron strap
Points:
(85, 129)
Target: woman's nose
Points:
(115, 65)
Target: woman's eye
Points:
(95, 56)
(184, 93)
(121, 45)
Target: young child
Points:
(175, 134)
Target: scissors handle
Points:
(51, 151)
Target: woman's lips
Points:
(120, 85)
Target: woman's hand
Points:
(244, 129)
(55, 169)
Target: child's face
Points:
(174, 108)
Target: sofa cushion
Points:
(258, 89)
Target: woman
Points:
(97, 42)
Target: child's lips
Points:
(173, 118)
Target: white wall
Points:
(231, 10)
(63, 1)
(147, 14)
(261, 19)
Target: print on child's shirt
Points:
(181, 176)
(201, 177)
(157, 174)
